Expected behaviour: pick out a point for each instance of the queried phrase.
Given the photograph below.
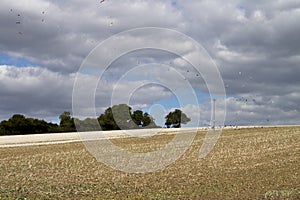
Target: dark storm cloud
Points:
(59, 35)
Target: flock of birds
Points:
(246, 100)
(19, 21)
(240, 99)
(19, 18)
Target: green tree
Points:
(143, 120)
(148, 120)
(2, 130)
(88, 124)
(37, 126)
(106, 120)
(116, 117)
(6, 127)
(66, 122)
(120, 117)
(19, 124)
(138, 117)
(176, 118)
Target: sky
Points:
(54, 57)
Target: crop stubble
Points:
(254, 163)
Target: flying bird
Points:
(102, 1)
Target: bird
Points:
(102, 1)
(18, 22)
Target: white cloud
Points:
(257, 38)
(32, 90)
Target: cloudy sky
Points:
(52, 51)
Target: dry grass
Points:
(257, 163)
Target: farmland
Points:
(248, 163)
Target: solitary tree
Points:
(176, 118)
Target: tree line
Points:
(117, 117)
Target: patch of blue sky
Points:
(201, 96)
(175, 102)
(55, 120)
(174, 2)
(159, 108)
(168, 103)
(91, 71)
(18, 62)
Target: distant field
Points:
(248, 163)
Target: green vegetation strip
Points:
(254, 163)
